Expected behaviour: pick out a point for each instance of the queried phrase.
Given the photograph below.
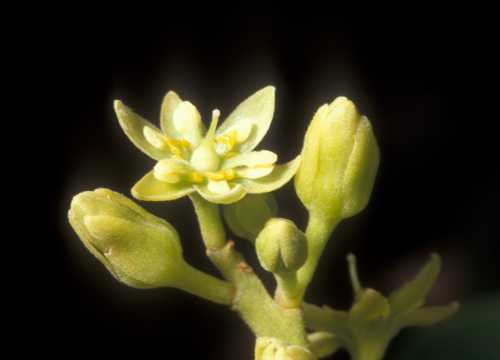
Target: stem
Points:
(211, 227)
(251, 301)
(287, 290)
(206, 286)
(318, 232)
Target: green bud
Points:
(267, 348)
(281, 246)
(138, 248)
(247, 217)
(340, 158)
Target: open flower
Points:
(373, 320)
(218, 163)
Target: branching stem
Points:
(252, 301)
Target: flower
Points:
(218, 163)
(374, 319)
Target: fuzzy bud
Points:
(138, 248)
(340, 158)
(281, 246)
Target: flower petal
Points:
(180, 119)
(171, 170)
(187, 123)
(429, 315)
(412, 294)
(279, 177)
(133, 125)
(218, 186)
(233, 195)
(151, 189)
(170, 102)
(257, 110)
(251, 159)
(254, 172)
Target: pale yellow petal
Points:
(170, 102)
(254, 172)
(218, 186)
(187, 122)
(233, 195)
(257, 111)
(251, 159)
(133, 125)
(279, 177)
(151, 189)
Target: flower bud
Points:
(138, 248)
(340, 158)
(281, 246)
(247, 217)
(267, 348)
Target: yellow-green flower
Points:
(374, 319)
(219, 163)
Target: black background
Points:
(420, 75)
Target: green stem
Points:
(318, 232)
(211, 227)
(206, 286)
(287, 289)
(264, 316)
(252, 301)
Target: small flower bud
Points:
(267, 348)
(281, 246)
(247, 217)
(138, 248)
(340, 158)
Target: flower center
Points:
(204, 157)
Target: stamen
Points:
(196, 177)
(215, 175)
(225, 143)
(177, 146)
(230, 155)
(228, 174)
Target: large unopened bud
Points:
(267, 348)
(138, 248)
(281, 246)
(340, 158)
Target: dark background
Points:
(420, 75)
